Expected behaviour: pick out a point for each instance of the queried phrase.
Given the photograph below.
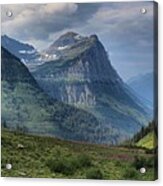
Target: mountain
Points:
(83, 76)
(25, 52)
(143, 87)
(27, 108)
(64, 42)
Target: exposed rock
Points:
(22, 174)
(84, 77)
(20, 146)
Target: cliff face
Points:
(84, 77)
(77, 81)
(27, 108)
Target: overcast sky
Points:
(126, 33)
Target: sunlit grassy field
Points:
(149, 141)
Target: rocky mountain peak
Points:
(69, 34)
(13, 70)
(94, 36)
(5, 36)
(79, 73)
(71, 45)
(10, 41)
(67, 39)
(84, 77)
(24, 51)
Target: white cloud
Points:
(36, 21)
(120, 26)
(59, 8)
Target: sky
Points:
(126, 33)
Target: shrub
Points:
(94, 173)
(130, 174)
(84, 160)
(61, 165)
(140, 162)
(150, 162)
(118, 163)
(68, 165)
(149, 151)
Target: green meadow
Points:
(46, 157)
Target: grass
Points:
(148, 142)
(68, 165)
(46, 157)
(94, 173)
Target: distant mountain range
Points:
(143, 85)
(23, 51)
(76, 71)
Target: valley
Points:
(79, 91)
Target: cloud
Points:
(40, 21)
(123, 20)
(36, 21)
(126, 33)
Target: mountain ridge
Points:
(24, 51)
(85, 78)
(143, 86)
(26, 107)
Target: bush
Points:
(118, 163)
(62, 165)
(140, 162)
(94, 173)
(149, 151)
(84, 160)
(130, 174)
(68, 165)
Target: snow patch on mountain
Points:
(27, 51)
(63, 47)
